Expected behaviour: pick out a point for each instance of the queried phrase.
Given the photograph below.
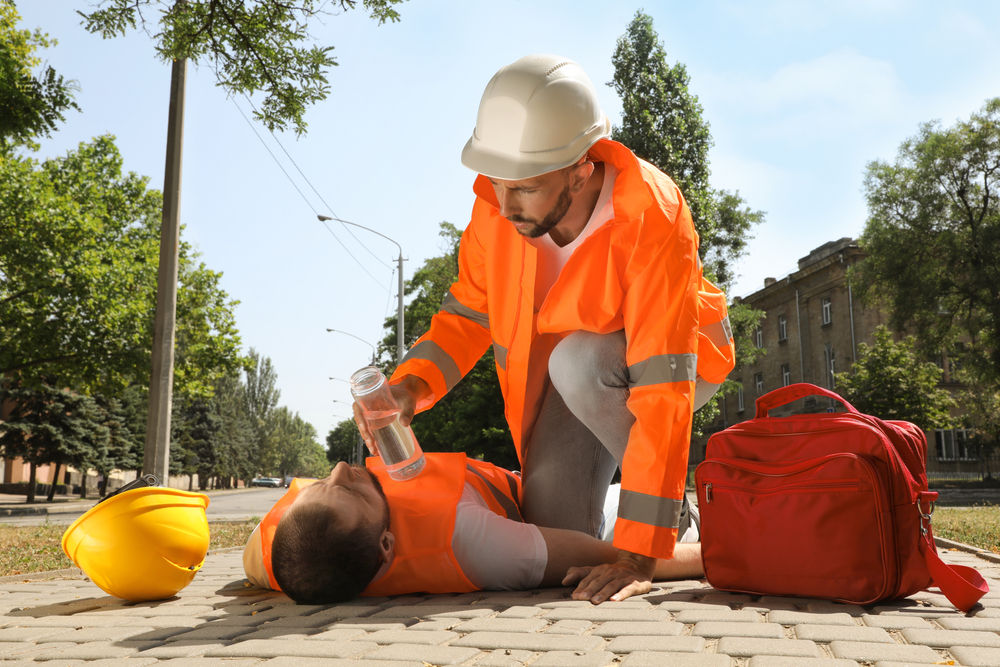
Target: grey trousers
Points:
(578, 440)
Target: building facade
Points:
(811, 330)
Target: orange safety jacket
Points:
(422, 519)
(640, 272)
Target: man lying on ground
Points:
(454, 528)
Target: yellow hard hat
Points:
(142, 543)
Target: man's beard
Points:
(381, 493)
(553, 218)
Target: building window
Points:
(782, 329)
(827, 310)
(786, 375)
(953, 445)
(831, 366)
(758, 381)
(759, 337)
(740, 403)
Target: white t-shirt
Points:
(552, 258)
(494, 552)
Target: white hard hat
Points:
(537, 115)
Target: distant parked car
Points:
(266, 481)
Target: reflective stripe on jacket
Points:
(639, 272)
(422, 519)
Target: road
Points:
(226, 507)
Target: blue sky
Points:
(800, 95)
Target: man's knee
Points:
(584, 360)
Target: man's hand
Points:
(631, 574)
(406, 394)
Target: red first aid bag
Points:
(831, 505)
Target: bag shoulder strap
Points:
(962, 585)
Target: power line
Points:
(308, 203)
(306, 179)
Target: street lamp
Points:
(359, 338)
(399, 305)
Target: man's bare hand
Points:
(406, 394)
(631, 574)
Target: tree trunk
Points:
(83, 485)
(31, 483)
(191, 482)
(55, 478)
(104, 485)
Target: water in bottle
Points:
(396, 444)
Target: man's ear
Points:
(385, 545)
(580, 175)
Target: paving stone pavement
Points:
(220, 620)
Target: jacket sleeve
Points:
(460, 331)
(661, 312)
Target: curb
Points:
(68, 507)
(967, 548)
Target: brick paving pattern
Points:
(222, 621)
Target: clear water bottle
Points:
(396, 444)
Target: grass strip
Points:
(978, 526)
(28, 549)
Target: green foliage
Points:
(469, 418)
(292, 447)
(980, 401)
(890, 382)
(662, 123)
(342, 442)
(49, 425)
(30, 106)
(196, 437)
(236, 433)
(124, 450)
(79, 250)
(933, 238)
(252, 46)
(260, 399)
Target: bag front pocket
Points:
(814, 528)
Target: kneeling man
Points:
(454, 528)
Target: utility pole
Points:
(157, 454)
(399, 306)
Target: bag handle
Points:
(963, 586)
(794, 392)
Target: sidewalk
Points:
(220, 620)
(16, 505)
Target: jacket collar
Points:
(631, 196)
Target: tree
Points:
(292, 447)
(30, 106)
(981, 403)
(196, 434)
(49, 425)
(251, 46)
(260, 398)
(78, 261)
(342, 442)
(236, 433)
(123, 451)
(933, 238)
(889, 381)
(662, 123)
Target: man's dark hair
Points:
(316, 561)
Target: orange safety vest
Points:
(422, 519)
(639, 272)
